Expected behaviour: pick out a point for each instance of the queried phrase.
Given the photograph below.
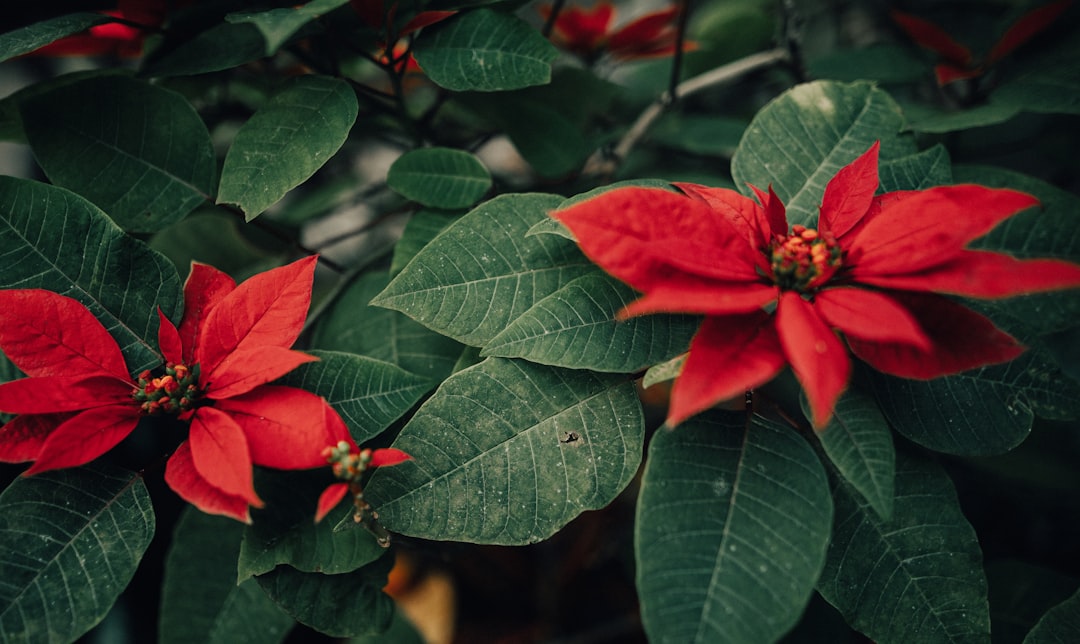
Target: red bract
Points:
(349, 463)
(76, 403)
(873, 270)
(113, 38)
(233, 340)
(958, 61)
(588, 33)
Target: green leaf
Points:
(732, 525)
(859, 443)
(918, 171)
(1060, 624)
(139, 152)
(369, 394)
(979, 412)
(352, 326)
(200, 598)
(483, 271)
(423, 226)
(575, 327)
(508, 452)
(70, 541)
(53, 239)
(277, 26)
(485, 51)
(345, 605)
(224, 46)
(917, 577)
(801, 139)
(1020, 594)
(286, 141)
(285, 532)
(210, 236)
(27, 39)
(663, 372)
(439, 177)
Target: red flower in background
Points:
(79, 400)
(958, 61)
(114, 38)
(873, 270)
(375, 14)
(589, 34)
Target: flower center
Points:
(173, 393)
(805, 259)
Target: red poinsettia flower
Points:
(231, 342)
(114, 38)
(588, 33)
(349, 463)
(79, 400)
(874, 270)
(958, 63)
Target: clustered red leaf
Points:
(871, 280)
(590, 34)
(958, 63)
(78, 400)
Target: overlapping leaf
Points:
(220, 47)
(732, 525)
(53, 239)
(439, 177)
(353, 326)
(423, 226)
(369, 394)
(70, 541)
(27, 39)
(138, 151)
(201, 601)
(485, 51)
(279, 25)
(799, 141)
(508, 452)
(859, 443)
(286, 141)
(916, 577)
(345, 605)
(575, 327)
(917, 171)
(482, 272)
(284, 532)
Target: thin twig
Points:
(604, 163)
(680, 41)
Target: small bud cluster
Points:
(347, 465)
(173, 393)
(804, 259)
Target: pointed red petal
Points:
(932, 37)
(219, 450)
(985, 274)
(285, 426)
(775, 213)
(169, 340)
(47, 334)
(1026, 27)
(205, 287)
(946, 73)
(582, 30)
(728, 355)
(244, 369)
(817, 356)
(849, 194)
(922, 229)
(22, 438)
(185, 480)
(645, 32)
(267, 310)
(649, 237)
(388, 456)
(63, 393)
(329, 499)
(706, 297)
(84, 437)
(749, 218)
(869, 315)
(962, 339)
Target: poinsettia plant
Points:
(307, 310)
